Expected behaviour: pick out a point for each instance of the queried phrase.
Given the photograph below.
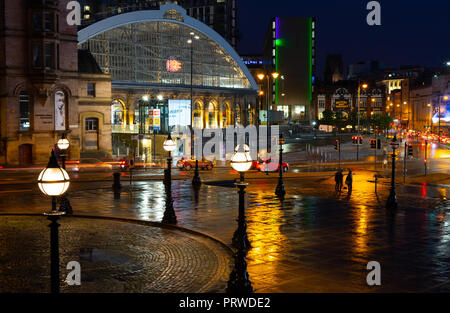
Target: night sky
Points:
(414, 32)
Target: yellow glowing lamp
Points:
(275, 75)
(53, 180)
(241, 160)
(364, 86)
(63, 143)
(261, 76)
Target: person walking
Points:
(338, 178)
(349, 181)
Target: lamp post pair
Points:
(54, 181)
(261, 77)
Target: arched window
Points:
(117, 112)
(197, 112)
(24, 109)
(212, 115)
(226, 114)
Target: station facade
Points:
(159, 60)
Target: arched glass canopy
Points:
(151, 47)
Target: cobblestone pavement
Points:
(114, 256)
(317, 240)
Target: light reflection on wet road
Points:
(308, 243)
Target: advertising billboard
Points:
(179, 112)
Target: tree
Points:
(328, 118)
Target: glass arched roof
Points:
(151, 47)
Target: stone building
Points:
(40, 84)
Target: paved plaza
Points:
(316, 240)
(115, 256)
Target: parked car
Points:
(185, 164)
(270, 165)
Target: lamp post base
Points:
(239, 282)
(53, 217)
(196, 181)
(280, 191)
(391, 202)
(169, 214)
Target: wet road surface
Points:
(314, 241)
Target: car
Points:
(117, 163)
(188, 164)
(86, 164)
(270, 165)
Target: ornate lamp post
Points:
(54, 181)
(169, 214)
(280, 191)
(391, 203)
(239, 281)
(63, 144)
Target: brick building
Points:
(343, 96)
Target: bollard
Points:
(116, 185)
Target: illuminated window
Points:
(24, 107)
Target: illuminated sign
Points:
(341, 104)
(179, 112)
(173, 65)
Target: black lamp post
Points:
(196, 181)
(391, 203)
(169, 214)
(54, 181)
(239, 281)
(63, 144)
(280, 191)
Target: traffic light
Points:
(378, 144)
(373, 143)
(354, 140)
(360, 140)
(337, 145)
(410, 150)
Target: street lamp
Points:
(391, 203)
(261, 76)
(196, 181)
(63, 144)
(239, 281)
(169, 214)
(54, 181)
(280, 191)
(363, 86)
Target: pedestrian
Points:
(349, 181)
(338, 178)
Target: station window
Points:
(91, 124)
